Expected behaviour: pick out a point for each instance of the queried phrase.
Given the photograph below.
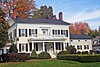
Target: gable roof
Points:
(79, 36)
(41, 21)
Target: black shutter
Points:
(62, 46)
(19, 47)
(53, 32)
(67, 33)
(26, 47)
(26, 32)
(19, 32)
(59, 32)
(29, 31)
(36, 31)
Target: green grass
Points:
(50, 63)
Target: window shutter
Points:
(19, 47)
(67, 33)
(29, 31)
(53, 32)
(19, 32)
(26, 32)
(26, 47)
(36, 31)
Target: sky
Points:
(75, 10)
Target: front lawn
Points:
(50, 63)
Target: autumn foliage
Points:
(79, 28)
(23, 8)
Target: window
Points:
(10, 35)
(30, 46)
(58, 46)
(56, 32)
(23, 48)
(32, 31)
(14, 33)
(64, 32)
(78, 40)
(79, 47)
(22, 32)
(36, 46)
(86, 46)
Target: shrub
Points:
(71, 49)
(62, 53)
(21, 57)
(78, 52)
(68, 57)
(91, 58)
(15, 57)
(44, 55)
(33, 54)
(85, 52)
(13, 48)
(80, 58)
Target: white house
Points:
(43, 35)
(81, 42)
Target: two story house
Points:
(42, 35)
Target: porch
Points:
(51, 47)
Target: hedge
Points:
(80, 58)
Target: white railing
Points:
(41, 36)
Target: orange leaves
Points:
(79, 28)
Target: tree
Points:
(13, 48)
(3, 29)
(22, 8)
(79, 28)
(44, 12)
(71, 49)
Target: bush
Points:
(13, 48)
(15, 57)
(33, 54)
(68, 57)
(85, 52)
(62, 53)
(90, 58)
(44, 55)
(80, 58)
(78, 52)
(71, 49)
(21, 57)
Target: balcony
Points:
(47, 37)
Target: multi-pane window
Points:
(79, 47)
(14, 33)
(10, 35)
(36, 46)
(58, 46)
(64, 32)
(22, 32)
(56, 32)
(86, 46)
(32, 31)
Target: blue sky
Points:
(76, 10)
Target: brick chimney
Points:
(14, 13)
(60, 16)
(54, 17)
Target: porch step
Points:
(53, 56)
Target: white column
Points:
(32, 45)
(43, 47)
(54, 47)
(64, 46)
(28, 47)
